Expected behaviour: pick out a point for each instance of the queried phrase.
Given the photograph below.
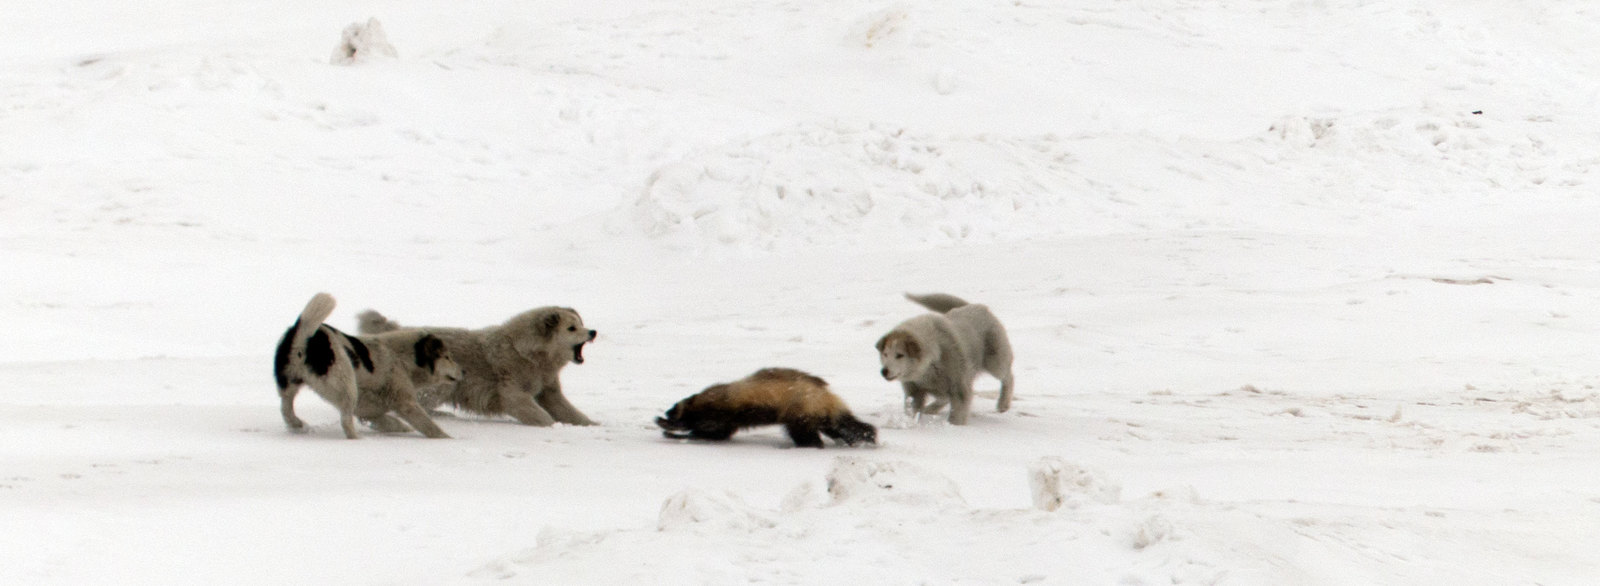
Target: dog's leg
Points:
(958, 413)
(960, 401)
(347, 421)
(520, 405)
(418, 418)
(291, 420)
(998, 363)
(347, 405)
(1005, 393)
(915, 398)
(938, 403)
(556, 404)
(804, 436)
(386, 424)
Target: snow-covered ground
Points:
(1302, 291)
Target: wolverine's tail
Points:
(311, 318)
(372, 322)
(937, 301)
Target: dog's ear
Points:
(546, 328)
(913, 350)
(428, 350)
(884, 341)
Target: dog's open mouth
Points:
(577, 353)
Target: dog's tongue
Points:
(577, 354)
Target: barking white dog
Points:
(513, 368)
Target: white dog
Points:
(940, 354)
(513, 368)
(365, 379)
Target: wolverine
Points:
(796, 400)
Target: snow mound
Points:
(819, 185)
(1057, 483)
(714, 537)
(853, 480)
(883, 27)
(1154, 529)
(1428, 150)
(361, 43)
(696, 508)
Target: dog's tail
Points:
(937, 301)
(372, 322)
(317, 311)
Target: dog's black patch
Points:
(319, 352)
(280, 361)
(362, 357)
(428, 350)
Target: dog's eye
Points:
(899, 356)
(572, 328)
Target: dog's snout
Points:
(885, 372)
(593, 333)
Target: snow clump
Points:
(363, 42)
(1058, 483)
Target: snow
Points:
(1302, 292)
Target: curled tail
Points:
(317, 311)
(937, 301)
(372, 322)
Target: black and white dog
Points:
(364, 378)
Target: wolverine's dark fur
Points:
(799, 401)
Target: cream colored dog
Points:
(513, 368)
(940, 354)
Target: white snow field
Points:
(1302, 291)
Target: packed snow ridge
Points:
(870, 505)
